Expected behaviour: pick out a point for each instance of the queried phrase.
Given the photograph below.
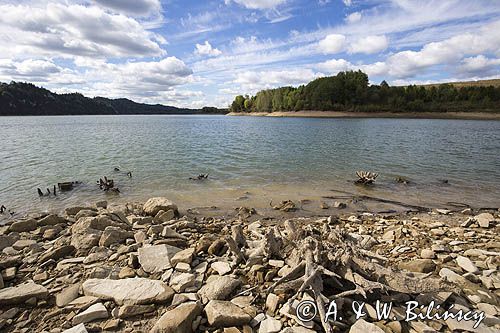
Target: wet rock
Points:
(467, 265)
(218, 288)
(156, 258)
(484, 220)
(77, 329)
(94, 312)
(419, 265)
(23, 226)
(129, 291)
(22, 293)
(225, 314)
(178, 320)
(154, 205)
(112, 235)
(362, 326)
(51, 220)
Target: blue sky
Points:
(196, 53)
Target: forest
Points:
(26, 99)
(351, 91)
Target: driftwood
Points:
(366, 177)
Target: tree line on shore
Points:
(26, 99)
(351, 91)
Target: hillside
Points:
(479, 83)
(26, 99)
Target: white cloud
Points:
(480, 65)
(347, 2)
(252, 81)
(334, 66)
(27, 70)
(369, 44)
(132, 7)
(354, 17)
(258, 4)
(331, 44)
(58, 30)
(207, 50)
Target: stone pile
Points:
(143, 268)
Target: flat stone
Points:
(270, 325)
(23, 243)
(127, 311)
(67, 295)
(419, 265)
(164, 216)
(112, 235)
(156, 258)
(94, 312)
(221, 267)
(23, 226)
(129, 291)
(6, 241)
(22, 292)
(154, 205)
(58, 253)
(75, 210)
(484, 219)
(218, 288)
(225, 314)
(180, 282)
(362, 326)
(76, 329)
(178, 320)
(51, 220)
(467, 265)
(184, 256)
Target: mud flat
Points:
(148, 267)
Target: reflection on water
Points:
(267, 157)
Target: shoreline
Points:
(77, 268)
(397, 115)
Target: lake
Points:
(251, 160)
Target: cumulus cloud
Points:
(480, 65)
(253, 81)
(258, 4)
(73, 30)
(132, 7)
(354, 17)
(369, 44)
(331, 44)
(335, 65)
(207, 50)
(27, 70)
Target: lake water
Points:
(255, 159)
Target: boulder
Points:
(51, 220)
(96, 311)
(23, 226)
(129, 291)
(154, 205)
(218, 288)
(362, 326)
(178, 320)
(419, 265)
(164, 216)
(112, 235)
(156, 258)
(22, 292)
(484, 219)
(225, 314)
(76, 210)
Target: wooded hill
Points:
(26, 99)
(351, 91)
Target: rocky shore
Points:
(148, 267)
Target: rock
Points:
(76, 210)
(467, 265)
(362, 326)
(419, 265)
(484, 219)
(185, 256)
(270, 325)
(112, 235)
(272, 302)
(129, 291)
(1, 282)
(6, 241)
(297, 329)
(23, 226)
(340, 205)
(58, 253)
(67, 295)
(101, 204)
(126, 272)
(178, 320)
(77, 329)
(154, 205)
(51, 220)
(221, 267)
(22, 292)
(427, 254)
(22, 243)
(127, 311)
(180, 282)
(218, 288)
(96, 311)
(9, 273)
(164, 216)
(225, 314)
(156, 258)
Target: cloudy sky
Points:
(202, 52)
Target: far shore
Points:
(343, 114)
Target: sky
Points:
(190, 53)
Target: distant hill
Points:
(479, 83)
(26, 99)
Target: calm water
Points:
(260, 158)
